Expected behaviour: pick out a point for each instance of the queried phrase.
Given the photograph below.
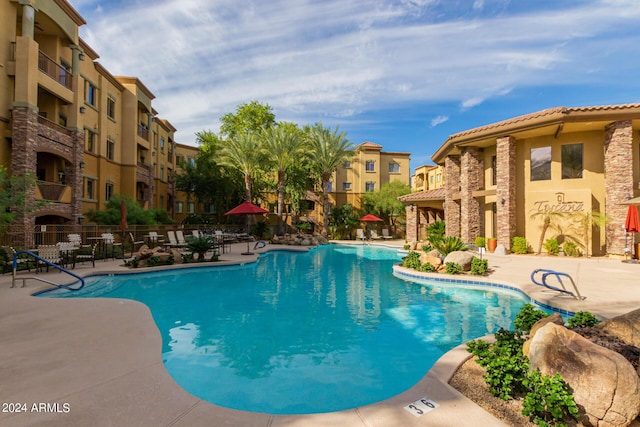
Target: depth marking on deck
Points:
(421, 407)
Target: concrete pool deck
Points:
(98, 362)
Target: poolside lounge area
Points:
(102, 357)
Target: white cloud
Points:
(337, 59)
(438, 120)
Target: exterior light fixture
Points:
(81, 164)
(83, 109)
(81, 56)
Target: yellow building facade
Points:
(84, 133)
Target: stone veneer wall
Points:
(618, 172)
(452, 188)
(506, 190)
(412, 223)
(471, 179)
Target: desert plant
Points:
(527, 317)
(551, 246)
(583, 319)
(549, 220)
(446, 245)
(427, 267)
(479, 266)
(586, 220)
(435, 230)
(200, 245)
(452, 268)
(153, 261)
(570, 248)
(427, 248)
(480, 242)
(549, 400)
(412, 260)
(519, 245)
(187, 257)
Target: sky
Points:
(404, 74)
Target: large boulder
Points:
(462, 258)
(625, 327)
(554, 318)
(433, 260)
(605, 385)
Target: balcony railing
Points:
(52, 125)
(143, 132)
(54, 70)
(51, 191)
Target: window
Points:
(438, 177)
(161, 204)
(89, 188)
(541, 164)
(90, 140)
(111, 108)
(431, 178)
(108, 191)
(330, 186)
(347, 164)
(346, 186)
(179, 207)
(394, 167)
(162, 144)
(111, 149)
(571, 161)
(162, 173)
(192, 161)
(179, 160)
(191, 207)
(90, 93)
(370, 166)
(370, 187)
(210, 208)
(494, 170)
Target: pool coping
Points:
(50, 353)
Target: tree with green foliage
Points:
(384, 202)
(248, 118)
(549, 220)
(344, 219)
(283, 148)
(136, 214)
(244, 153)
(13, 198)
(586, 221)
(327, 151)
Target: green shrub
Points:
(583, 319)
(479, 266)
(452, 268)
(570, 248)
(519, 245)
(153, 261)
(427, 267)
(480, 242)
(551, 246)
(406, 247)
(435, 230)
(427, 248)
(412, 260)
(505, 364)
(201, 245)
(446, 245)
(549, 400)
(187, 257)
(527, 317)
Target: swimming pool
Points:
(299, 333)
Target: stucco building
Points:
(83, 132)
(503, 179)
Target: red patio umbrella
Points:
(370, 218)
(247, 208)
(123, 216)
(632, 224)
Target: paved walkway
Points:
(98, 362)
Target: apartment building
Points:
(427, 177)
(503, 179)
(83, 132)
(367, 171)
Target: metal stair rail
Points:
(558, 275)
(49, 263)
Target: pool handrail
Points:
(49, 263)
(558, 275)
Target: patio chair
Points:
(84, 256)
(385, 234)
(109, 241)
(374, 235)
(180, 238)
(155, 239)
(360, 234)
(67, 252)
(50, 254)
(21, 260)
(173, 241)
(76, 239)
(134, 242)
(195, 233)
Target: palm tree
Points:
(244, 153)
(548, 218)
(328, 151)
(586, 220)
(282, 145)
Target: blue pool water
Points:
(310, 332)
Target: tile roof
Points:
(421, 196)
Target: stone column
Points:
(506, 189)
(451, 189)
(412, 223)
(618, 172)
(471, 179)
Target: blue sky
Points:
(405, 74)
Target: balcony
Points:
(53, 192)
(143, 132)
(52, 69)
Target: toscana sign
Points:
(561, 204)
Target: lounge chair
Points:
(360, 234)
(385, 234)
(374, 235)
(180, 238)
(155, 239)
(173, 241)
(195, 233)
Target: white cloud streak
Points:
(333, 60)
